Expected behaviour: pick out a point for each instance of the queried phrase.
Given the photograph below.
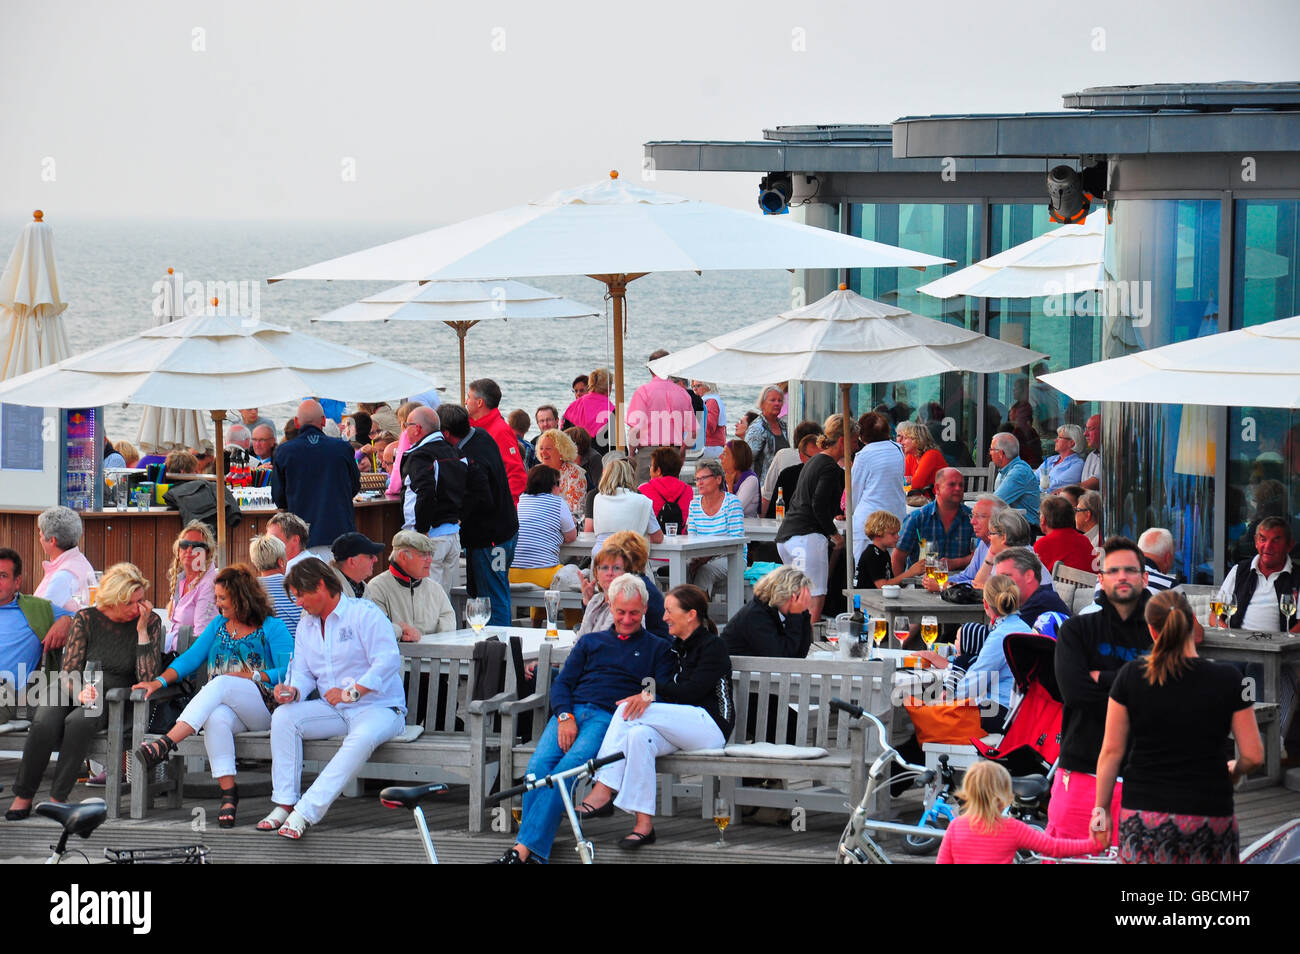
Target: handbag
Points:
(963, 594)
(953, 723)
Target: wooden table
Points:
(914, 602)
(679, 550)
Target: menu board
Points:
(21, 446)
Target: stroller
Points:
(1031, 742)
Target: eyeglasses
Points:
(1125, 570)
(996, 533)
(191, 545)
(1082, 510)
(606, 568)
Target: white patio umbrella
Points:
(460, 305)
(164, 429)
(615, 233)
(841, 339)
(30, 330)
(214, 362)
(1257, 366)
(1071, 257)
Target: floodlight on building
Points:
(1067, 200)
(774, 191)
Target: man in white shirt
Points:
(1271, 573)
(344, 649)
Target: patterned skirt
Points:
(1158, 838)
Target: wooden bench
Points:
(106, 746)
(464, 748)
(790, 697)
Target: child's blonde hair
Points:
(881, 522)
(985, 794)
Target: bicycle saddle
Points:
(408, 797)
(1030, 787)
(79, 819)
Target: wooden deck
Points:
(360, 830)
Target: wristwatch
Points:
(564, 717)
(351, 694)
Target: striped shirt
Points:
(729, 521)
(544, 519)
(286, 610)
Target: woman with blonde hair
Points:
(808, 533)
(1170, 714)
(620, 506)
(592, 410)
(191, 577)
(622, 552)
(557, 451)
(982, 835)
(775, 622)
(922, 458)
(120, 635)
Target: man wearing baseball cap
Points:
(355, 556)
(413, 603)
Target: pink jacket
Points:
(590, 412)
(73, 564)
(395, 484)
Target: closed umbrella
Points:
(839, 339)
(165, 429)
(460, 305)
(214, 362)
(615, 233)
(30, 330)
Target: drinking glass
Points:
(552, 598)
(1229, 611)
(670, 529)
(941, 572)
(478, 610)
(721, 819)
(1216, 609)
(1286, 603)
(879, 629)
(902, 629)
(929, 566)
(929, 630)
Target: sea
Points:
(109, 272)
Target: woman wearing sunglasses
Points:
(192, 576)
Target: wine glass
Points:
(1229, 611)
(1286, 603)
(478, 610)
(721, 819)
(902, 629)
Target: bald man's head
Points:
(426, 418)
(311, 414)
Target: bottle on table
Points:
(780, 503)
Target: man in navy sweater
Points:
(602, 670)
(316, 477)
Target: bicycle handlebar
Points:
(587, 767)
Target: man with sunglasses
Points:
(1090, 650)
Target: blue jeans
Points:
(544, 808)
(489, 575)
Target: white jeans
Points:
(365, 728)
(445, 570)
(662, 728)
(808, 553)
(710, 574)
(224, 707)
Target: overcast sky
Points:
(421, 111)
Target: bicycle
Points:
(856, 844)
(396, 796)
(82, 819)
(585, 849)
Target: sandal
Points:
(273, 821)
(635, 840)
(293, 826)
(585, 811)
(229, 802)
(155, 751)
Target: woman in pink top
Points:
(593, 409)
(192, 576)
(982, 835)
(395, 485)
(67, 571)
(715, 418)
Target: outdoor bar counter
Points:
(145, 539)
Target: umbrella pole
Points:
(617, 291)
(219, 467)
(849, 567)
(461, 327)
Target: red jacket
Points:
(500, 431)
(1069, 546)
(662, 489)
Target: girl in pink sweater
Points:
(982, 835)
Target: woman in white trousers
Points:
(692, 711)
